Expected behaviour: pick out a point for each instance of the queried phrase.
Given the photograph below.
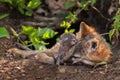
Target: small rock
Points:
(62, 70)
(23, 75)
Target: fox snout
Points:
(73, 42)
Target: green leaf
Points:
(20, 3)
(21, 10)
(4, 32)
(33, 4)
(72, 17)
(66, 31)
(101, 63)
(41, 45)
(116, 17)
(93, 2)
(69, 4)
(4, 15)
(33, 37)
(62, 15)
(117, 25)
(111, 33)
(117, 34)
(6, 1)
(83, 5)
(65, 24)
(47, 33)
(72, 30)
(28, 29)
(36, 40)
(27, 13)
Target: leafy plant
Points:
(38, 36)
(66, 25)
(24, 7)
(3, 32)
(82, 4)
(4, 15)
(85, 3)
(69, 4)
(72, 16)
(116, 26)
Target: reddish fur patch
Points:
(103, 52)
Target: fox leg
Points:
(22, 53)
(37, 55)
(44, 58)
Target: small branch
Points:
(100, 13)
(41, 18)
(104, 34)
(23, 47)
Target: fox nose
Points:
(73, 42)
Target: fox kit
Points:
(66, 41)
(91, 47)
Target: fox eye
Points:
(94, 44)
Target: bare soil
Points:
(16, 68)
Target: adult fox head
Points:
(85, 30)
(91, 48)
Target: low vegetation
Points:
(37, 37)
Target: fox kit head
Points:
(91, 48)
(67, 41)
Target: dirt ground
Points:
(16, 68)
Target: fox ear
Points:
(85, 30)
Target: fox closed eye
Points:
(94, 44)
